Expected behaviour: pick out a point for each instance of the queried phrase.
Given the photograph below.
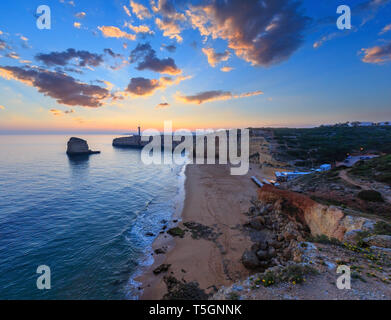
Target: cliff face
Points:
(320, 219)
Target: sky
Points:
(109, 66)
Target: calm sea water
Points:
(85, 219)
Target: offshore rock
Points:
(79, 147)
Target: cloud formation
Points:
(215, 95)
(146, 87)
(170, 48)
(77, 25)
(139, 29)
(2, 107)
(260, 32)
(142, 86)
(147, 60)
(226, 69)
(80, 15)
(170, 28)
(114, 32)
(171, 20)
(85, 58)
(57, 112)
(140, 10)
(385, 29)
(377, 54)
(65, 89)
(162, 105)
(214, 57)
(127, 11)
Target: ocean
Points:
(86, 219)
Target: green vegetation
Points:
(294, 274)
(323, 239)
(176, 232)
(378, 169)
(370, 195)
(233, 296)
(329, 144)
(382, 228)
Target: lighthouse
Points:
(139, 131)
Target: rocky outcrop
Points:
(320, 219)
(382, 241)
(77, 146)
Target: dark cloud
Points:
(62, 58)
(206, 96)
(147, 59)
(162, 105)
(261, 32)
(112, 53)
(65, 89)
(142, 86)
(215, 95)
(170, 48)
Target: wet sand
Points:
(217, 200)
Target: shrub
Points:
(383, 228)
(295, 273)
(370, 195)
(323, 239)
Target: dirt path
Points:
(362, 184)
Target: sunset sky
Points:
(108, 66)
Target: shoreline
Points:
(134, 284)
(215, 201)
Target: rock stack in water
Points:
(79, 147)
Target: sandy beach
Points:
(216, 200)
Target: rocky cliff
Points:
(77, 146)
(320, 219)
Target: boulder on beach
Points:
(77, 146)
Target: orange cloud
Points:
(377, 54)
(80, 15)
(77, 25)
(114, 32)
(226, 69)
(139, 10)
(170, 28)
(139, 29)
(56, 112)
(214, 57)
